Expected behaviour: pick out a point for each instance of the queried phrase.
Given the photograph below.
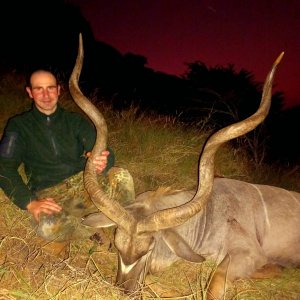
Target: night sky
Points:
(248, 34)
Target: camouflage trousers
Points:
(76, 203)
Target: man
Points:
(53, 144)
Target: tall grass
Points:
(158, 151)
(12, 97)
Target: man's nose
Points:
(45, 93)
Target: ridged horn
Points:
(111, 208)
(178, 215)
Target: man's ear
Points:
(58, 89)
(28, 90)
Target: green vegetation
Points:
(158, 151)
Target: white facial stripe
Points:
(127, 268)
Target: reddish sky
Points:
(249, 34)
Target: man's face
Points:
(44, 91)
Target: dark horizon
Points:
(169, 33)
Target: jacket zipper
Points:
(52, 139)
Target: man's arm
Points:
(10, 179)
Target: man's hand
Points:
(100, 161)
(46, 205)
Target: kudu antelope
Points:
(242, 226)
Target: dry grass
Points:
(88, 271)
(29, 272)
(158, 153)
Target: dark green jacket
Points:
(50, 147)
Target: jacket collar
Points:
(46, 118)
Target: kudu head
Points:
(135, 232)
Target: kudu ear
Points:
(180, 247)
(97, 220)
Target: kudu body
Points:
(242, 226)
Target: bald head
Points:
(44, 91)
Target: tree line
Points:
(44, 34)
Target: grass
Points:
(158, 152)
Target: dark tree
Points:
(284, 142)
(229, 96)
(40, 33)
